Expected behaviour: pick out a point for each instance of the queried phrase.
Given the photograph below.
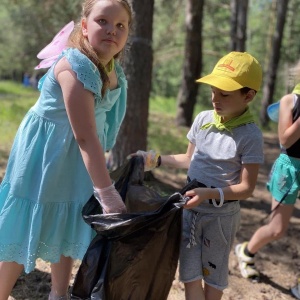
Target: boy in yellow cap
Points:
(224, 153)
(284, 185)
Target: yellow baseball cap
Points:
(296, 89)
(235, 71)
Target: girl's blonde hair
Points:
(78, 41)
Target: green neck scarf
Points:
(243, 119)
(110, 66)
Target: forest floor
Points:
(278, 262)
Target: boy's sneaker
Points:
(246, 263)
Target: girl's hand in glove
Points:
(152, 159)
(110, 200)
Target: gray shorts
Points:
(206, 242)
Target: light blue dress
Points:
(46, 183)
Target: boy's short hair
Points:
(235, 71)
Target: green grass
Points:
(163, 134)
(15, 100)
(167, 106)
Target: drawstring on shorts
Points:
(192, 241)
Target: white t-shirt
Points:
(219, 155)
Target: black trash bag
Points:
(134, 255)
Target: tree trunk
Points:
(238, 32)
(270, 77)
(186, 98)
(233, 24)
(138, 69)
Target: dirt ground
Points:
(278, 262)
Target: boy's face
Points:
(230, 104)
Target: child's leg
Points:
(274, 230)
(9, 273)
(194, 290)
(60, 276)
(212, 293)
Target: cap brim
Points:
(222, 83)
(273, 111)
(296, 89)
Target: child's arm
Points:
(79, 104)
(288, 132)
(240, 191)
(80, 109)
(179, 160)
(172, 160)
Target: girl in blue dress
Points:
(57, 160)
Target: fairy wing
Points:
(273, 109)
(50, 53)
(58, 43)
(47, 62)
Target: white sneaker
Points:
(246, 263)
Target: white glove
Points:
(110, 200)
(151, 159)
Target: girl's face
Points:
(230, 104)
(106, 28)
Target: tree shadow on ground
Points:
(267, 280)
(33, 286)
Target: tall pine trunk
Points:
(186, 98)
(138, 70)
(238, 31)
(271, 75)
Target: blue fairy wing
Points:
(273, 111)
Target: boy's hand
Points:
(195, 198)
(150, 159)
